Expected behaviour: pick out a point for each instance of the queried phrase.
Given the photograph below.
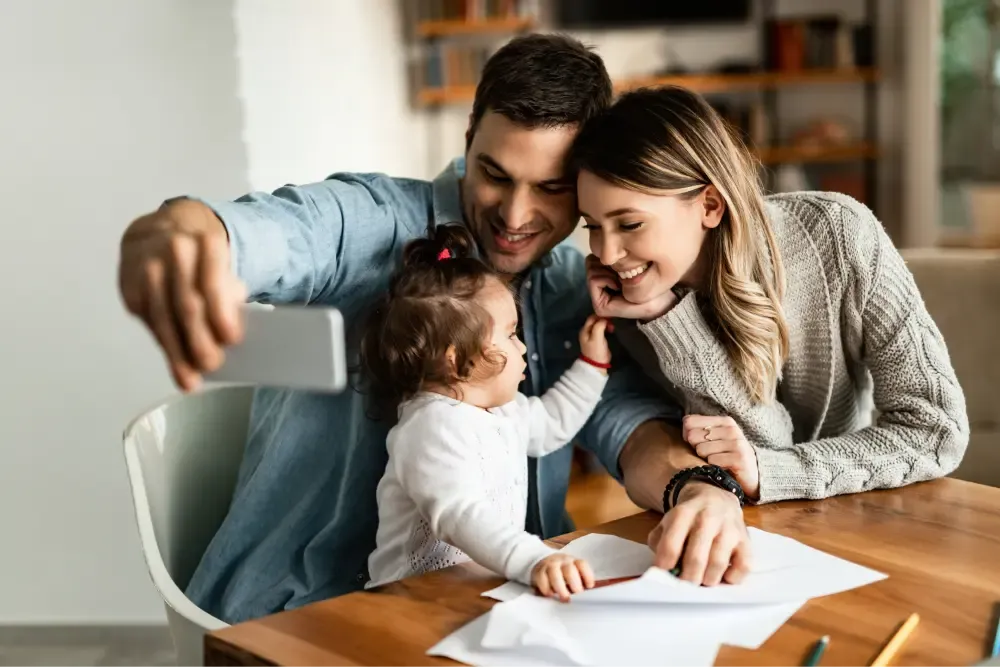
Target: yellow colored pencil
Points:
(892, 646)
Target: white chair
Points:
(183, 457)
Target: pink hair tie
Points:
(444, 254)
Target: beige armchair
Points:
(962, 291)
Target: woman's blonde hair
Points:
(668, 139)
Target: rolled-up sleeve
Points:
(302, 244)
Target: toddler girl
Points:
(443, 347)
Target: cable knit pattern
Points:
(857, 322)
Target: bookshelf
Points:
(797, 52)
(453, 38)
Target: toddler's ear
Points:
(451, 356)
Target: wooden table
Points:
(939, 542)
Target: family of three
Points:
(719, 347)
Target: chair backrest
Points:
(187, 452)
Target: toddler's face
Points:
(499, 303)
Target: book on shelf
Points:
(820, 42)
(448, 65)
(475, 10)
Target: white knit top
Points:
(856, 321)
(456, 484)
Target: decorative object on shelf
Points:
(822, 133)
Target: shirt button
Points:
(567, 344)
(527, 284)
(361, 576)
(534, 356)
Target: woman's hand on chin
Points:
(601, 278)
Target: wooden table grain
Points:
(938, 541)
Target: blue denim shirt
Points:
(303, 518)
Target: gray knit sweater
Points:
(855, 319)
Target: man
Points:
(303, 518)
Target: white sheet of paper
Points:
(609, 556)
(610, 634)
(541, 631)
(531, 621)
(784, 570)
(657, 618)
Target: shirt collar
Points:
(447, 193)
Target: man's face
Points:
(515, 193)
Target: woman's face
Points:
(652, 242)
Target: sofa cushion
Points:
(962, 291)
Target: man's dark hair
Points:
(542, 81)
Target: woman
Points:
(770, 318)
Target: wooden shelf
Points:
(449, 95)
(755, 80)
(809, 154)
(701, 83)
(457, 27)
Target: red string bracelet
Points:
(595, 364)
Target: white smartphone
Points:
(295, 347)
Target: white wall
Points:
(324, 86)
(108, 107)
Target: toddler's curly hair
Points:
(429, 310)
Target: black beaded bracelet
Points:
(714, 475)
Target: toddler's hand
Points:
(593, 344)
(560, 574)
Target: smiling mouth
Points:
(634, 272)
(512, 242)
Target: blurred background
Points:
(111, 106)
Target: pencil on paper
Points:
(892, 647)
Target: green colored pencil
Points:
(817, 651)
(996, 635)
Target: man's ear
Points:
(713, 207)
